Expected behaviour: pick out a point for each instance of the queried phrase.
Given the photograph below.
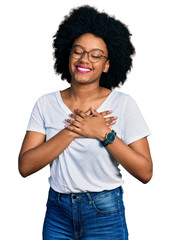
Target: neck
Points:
(83, 92)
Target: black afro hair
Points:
(116, 35)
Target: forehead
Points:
(89, 41)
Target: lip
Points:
(83, 69)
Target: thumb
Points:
(88, 112)
(94, 112)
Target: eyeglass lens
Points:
(94, 55)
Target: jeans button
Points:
(74, 197)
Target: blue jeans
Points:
(85, 216)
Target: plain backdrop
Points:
(26, 73)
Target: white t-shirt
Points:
(86, 165)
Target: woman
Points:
(84, 132)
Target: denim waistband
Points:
(85, 195)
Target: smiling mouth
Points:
(82, 69)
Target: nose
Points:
(85, 56)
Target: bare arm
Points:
(36, 153)
(135, 158)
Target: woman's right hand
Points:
(36, 152)
(109, 121)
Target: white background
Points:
(26, 73)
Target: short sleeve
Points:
(134, 125)
(36, 122)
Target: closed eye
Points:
(78, 53)
(93, 56)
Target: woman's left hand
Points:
(92, 126)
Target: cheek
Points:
(71, 65)
(100, 68)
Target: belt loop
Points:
(121, 189)
(89, 199)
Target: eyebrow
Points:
(90, 50)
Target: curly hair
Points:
(115, 34)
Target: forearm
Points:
(135, 158)
(135, 163)
(36, 158)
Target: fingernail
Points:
(65, 126)
(70, 114)
(113, 121)
(92, 108)
(110, 111)
(115, 117)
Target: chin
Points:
(82, 79)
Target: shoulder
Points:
(120, 96)
(48, 97)
(123, 100)
(46, 101)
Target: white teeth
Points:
(84, 69)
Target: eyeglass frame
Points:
(83, 53)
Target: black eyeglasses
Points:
(94, 55)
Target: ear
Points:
(106, 67)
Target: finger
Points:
(73, 128)
(109, 119)
(78, 118)
(94, 112)
(80, 113)
(75, 116)
(110, 123)
(105, 113)
(88, 112)
(73, 122)
(71, 115)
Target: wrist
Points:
(104, 133)
(110, 138)
(70, 134)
